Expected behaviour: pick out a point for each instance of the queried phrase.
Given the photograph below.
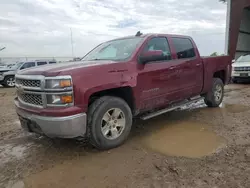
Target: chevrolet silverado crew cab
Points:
(241, 69)
(96, 98)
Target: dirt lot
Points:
(192, 147)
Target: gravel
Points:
(28, 160)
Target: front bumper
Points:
(1, 78)
(243, 74)
(55, 127)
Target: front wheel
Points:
(215, 96)
(109, 122)
(9, 81)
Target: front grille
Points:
(34, 99)
(31, 90)
(28, 83)
(242, 68)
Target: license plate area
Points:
(243, 74)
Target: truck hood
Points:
(66, 67)
(4, 69)
(241, 64)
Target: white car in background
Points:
(7, 75)
(241, 69)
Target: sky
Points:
(41, 28)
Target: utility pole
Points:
(1, 50)
(72, 47)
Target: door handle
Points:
(198, 64)
(171, 68)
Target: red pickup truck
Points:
(97, 97)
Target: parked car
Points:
(7, 74)
(241, 69)
(2, 65)
(10, 65)
(97, 97)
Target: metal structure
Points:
(238, 28)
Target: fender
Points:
(112, 81)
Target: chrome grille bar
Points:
(242, 68)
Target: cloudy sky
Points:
(42, 27)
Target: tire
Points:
(99, 133)
(234, 81)
(9, 81)
(215, 97)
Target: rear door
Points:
(190, 67)
(157, 80)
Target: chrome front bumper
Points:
(55, 127)
(238, 74)
(1, 78)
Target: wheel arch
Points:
(125, 93)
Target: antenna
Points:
(138, 34)
(72, 47)
(2, 48)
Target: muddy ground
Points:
(193, 147)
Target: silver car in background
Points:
(7, 75)
(241, 69)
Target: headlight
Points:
(60, 91)
(59, 99)
(58, 83)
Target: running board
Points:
(176, 106)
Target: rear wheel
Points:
(215, 96)
(109, 122)
(9, 81)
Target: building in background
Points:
(238, 28)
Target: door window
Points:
(184, 48)
(41, 63)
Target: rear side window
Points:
(28, 65)
(184, 48)
(41, 63)
(52, 62)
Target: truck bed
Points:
(216, 65)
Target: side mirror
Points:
(155, 55)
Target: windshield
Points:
(242, 59)
(16, 66)
(114, 50)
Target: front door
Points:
(156, 80)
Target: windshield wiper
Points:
(96, 59)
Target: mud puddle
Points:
(188, 139)
(94, 169)
(234, 108)
(224, 107)
(9, 152)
